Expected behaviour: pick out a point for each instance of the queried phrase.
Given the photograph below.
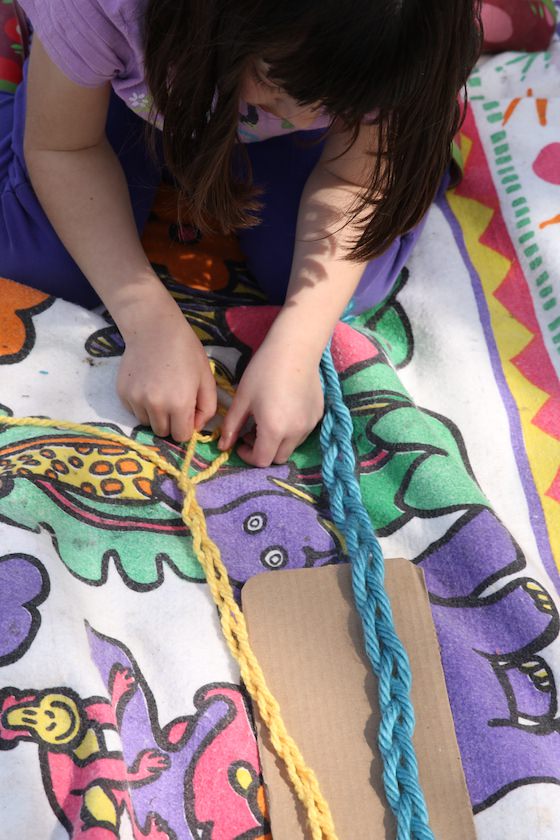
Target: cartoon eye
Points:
(274, 557)
(255, 523)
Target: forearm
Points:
(85, 196)
(322, 281)
(164, 377)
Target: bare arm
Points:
(322, 280)
(80, 184)
(281, 388)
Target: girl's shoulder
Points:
(91, 41)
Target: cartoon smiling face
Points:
(54, 719)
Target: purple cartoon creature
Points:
(494, 624)
(262, 521)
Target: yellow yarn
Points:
(232, 620)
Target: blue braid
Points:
(384, 648)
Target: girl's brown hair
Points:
(404, 60)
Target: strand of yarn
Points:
(232, 620)
(384, 649)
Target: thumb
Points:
(233, 422)
(207, 401)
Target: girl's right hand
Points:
(165, 378)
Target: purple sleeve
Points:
(86, 39)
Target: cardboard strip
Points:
(307, 637)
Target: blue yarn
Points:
(384, 648)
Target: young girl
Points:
(235, 89)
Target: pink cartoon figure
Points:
(197, 776)
(89, 785)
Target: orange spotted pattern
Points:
(88, 465)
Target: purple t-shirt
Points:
(99, 41)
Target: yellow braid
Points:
(232, 620)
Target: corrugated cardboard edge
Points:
(307, 636)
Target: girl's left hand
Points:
(281, 390)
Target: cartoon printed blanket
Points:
(121, 713)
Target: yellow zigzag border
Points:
(512, 337)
